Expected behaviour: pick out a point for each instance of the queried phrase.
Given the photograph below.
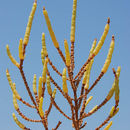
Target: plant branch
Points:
(56, 106)
(26, 118)
(57, 126)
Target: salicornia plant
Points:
(77, 103)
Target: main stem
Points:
(76, 109)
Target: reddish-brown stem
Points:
(71, 77)
(84, 102)
(49, 109)
(76, 109)
(105, 122)
(82, 92)
(25, 128)
(108, 118)
(114, 72)
(83, 125)
(26, 118)
(57, 86)
(96, 81)
(53, 67)
(37, 99)
(43, 90)
(57, 107)
(117, 102)
(21, 61)
(28, 89)
(72, 57)
(26, 103)
(73, 114)
(26, 85)
(98, 107)
(61, 54)
(57, 126)
(82, 70)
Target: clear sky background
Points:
(91, 20)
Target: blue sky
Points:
(91, 20)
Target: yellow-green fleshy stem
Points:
(40, 107)
(11, 57)
(9, 78)
(44, 71)
(54, 93)
(102, 39)
(44, 45)
(42, 57)
(88, 100)
(49, 86)
(15, 103)
(34, 84)
(109, 56)
(89, 66)
(117, 90)
(113, 111)
(93, 109)
(13, 87)
(67, 53)
(64, 82)
(55, 42)
(73, 21)
(29, 24)
(21, 56)
(40, 88)
(18, 122)
(108, 126)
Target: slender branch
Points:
(26, 118)
(49, 109)
(96, 81)
(43, 90)
(73, 114)
(72, 57)
(83, 125)
(28, 89)
(21, 61)
(114, 72)
(71, 77)
(98, 107)
(27, 128)
(26, 103)
(82, 92)
(26, 85)
(56, 106)
(84, 102)
(46, 118)
(117, 102)
(82, 70)
(105, 122)
(57, 126)
(61, 54)
(56, 85)
(53, 67)
(37, 99)
(108, 118)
